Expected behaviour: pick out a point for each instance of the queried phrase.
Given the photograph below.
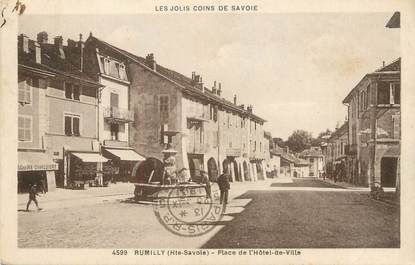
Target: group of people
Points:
(223, 183)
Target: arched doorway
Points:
(388, 170)
(236, 171)
(246, 171)
(212, 169)
(226, 165)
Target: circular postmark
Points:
(185, 211)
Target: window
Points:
(213, 113)
(107, 66)
(114, 131)
(25, 128)
(389, 93)
(25, 91)
(76, 92)
(396, 125)
(164, 107)
(114, 99)
(72, 91)
(395, 93)
(72, 125)
(254, 146)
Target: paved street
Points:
(303, 214)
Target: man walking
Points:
(32, 197)
(205, 180)
(224, 186)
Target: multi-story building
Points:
(315, 160)
(109, 68)
(374, 116)
(212, 133)
(335, 159)
(57, 114)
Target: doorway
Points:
(388, 168)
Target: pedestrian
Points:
(32, 197)
(224, 186)
(205, 180)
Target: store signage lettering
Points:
(37, 167)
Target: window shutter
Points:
(28, 129)
(397, 93)
(20, 124)
(68, 90)
(22, 92)
(68, 125)
(75, 121)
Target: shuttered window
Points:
(24, 94)
(25, 128)
(72, 125)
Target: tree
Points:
(299, 140)
(320, 138)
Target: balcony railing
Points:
(351, 149)
(117, 115)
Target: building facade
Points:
(61, 120)
(375, 126)
(208, 132)
(315, 160)
(336, 158)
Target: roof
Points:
(340, 131)
(394, 21)
(393, 68)
(300, 162)
(311, 153)
(185, 83)
(52, 63)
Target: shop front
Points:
(84, 168)
(121, 163)
(35, 167)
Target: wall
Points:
(145, 89)
(122, 90)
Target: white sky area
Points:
(295, 69)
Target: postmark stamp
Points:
(186, 212)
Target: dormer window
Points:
(112, 68)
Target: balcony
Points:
(118, 115)
(197, 148)
(351, 149)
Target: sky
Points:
(295, 68)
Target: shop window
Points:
(25, 91)
(72, 125)
(164, 107)
(25, 128)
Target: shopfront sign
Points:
(37, 167)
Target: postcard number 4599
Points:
(119, 252)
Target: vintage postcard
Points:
(207, 132)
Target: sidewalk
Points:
(63, 198)
(345, 185)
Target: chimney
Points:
(71, 43)
(214, 88)
(193, 76)
(383, 63)
(219, 89)
(23, 42)
(58, 41)
(150, 62)
(42, 37)
(234, 99)
(242, 106)
(81, 53)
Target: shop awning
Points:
(35, 161)
(126, 154)
(90, 157)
